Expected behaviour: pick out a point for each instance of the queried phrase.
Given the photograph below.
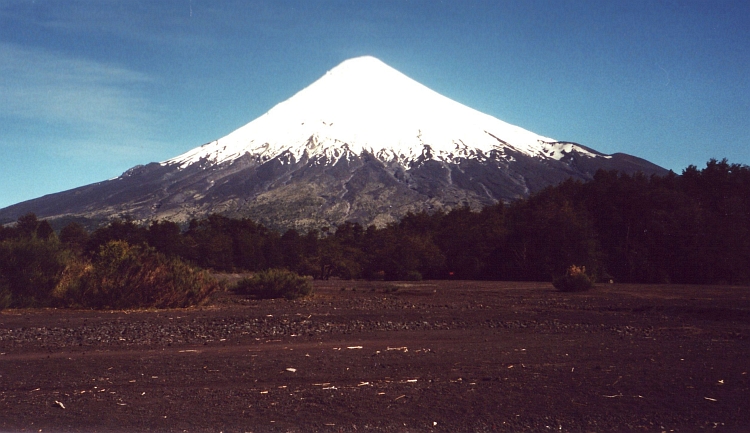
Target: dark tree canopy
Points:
(691, 228)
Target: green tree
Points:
(549, 233)
(291, 250)
(117, 230)
(30, 269)
(26, 225)
(401, 256)
(74, 237)
(165, 237)
(468, 239)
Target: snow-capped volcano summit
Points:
(363, 143)
(365, 105)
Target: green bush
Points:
(5, 297)
(574, 280)
(126, 276)
(413, 276)
(390, 288)
(274, 283)
(30, 269)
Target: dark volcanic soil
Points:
(431, 356)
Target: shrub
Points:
(574, 280)
(390, 289)
(126, 276)
(30, 269)
(274, 283)
(413, 276)
(69, 290)
(5, 297)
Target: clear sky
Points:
(90, 88)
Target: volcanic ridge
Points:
(363, 143)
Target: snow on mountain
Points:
(307, 162)
(365, 105)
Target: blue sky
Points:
(90, 88)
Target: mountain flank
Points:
(363, 143)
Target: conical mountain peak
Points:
(365, 105)
(361, 66)
(362, 143)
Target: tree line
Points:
(691, 228)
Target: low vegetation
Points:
(30, 270)
(274, 283)
(37, 270)
(574, 280)
(693, 228)
(124, 276)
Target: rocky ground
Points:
(396, 357)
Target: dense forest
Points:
(692, 228)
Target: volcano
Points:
(363, 143)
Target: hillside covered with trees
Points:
(692, 228)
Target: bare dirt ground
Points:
(431, 356)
